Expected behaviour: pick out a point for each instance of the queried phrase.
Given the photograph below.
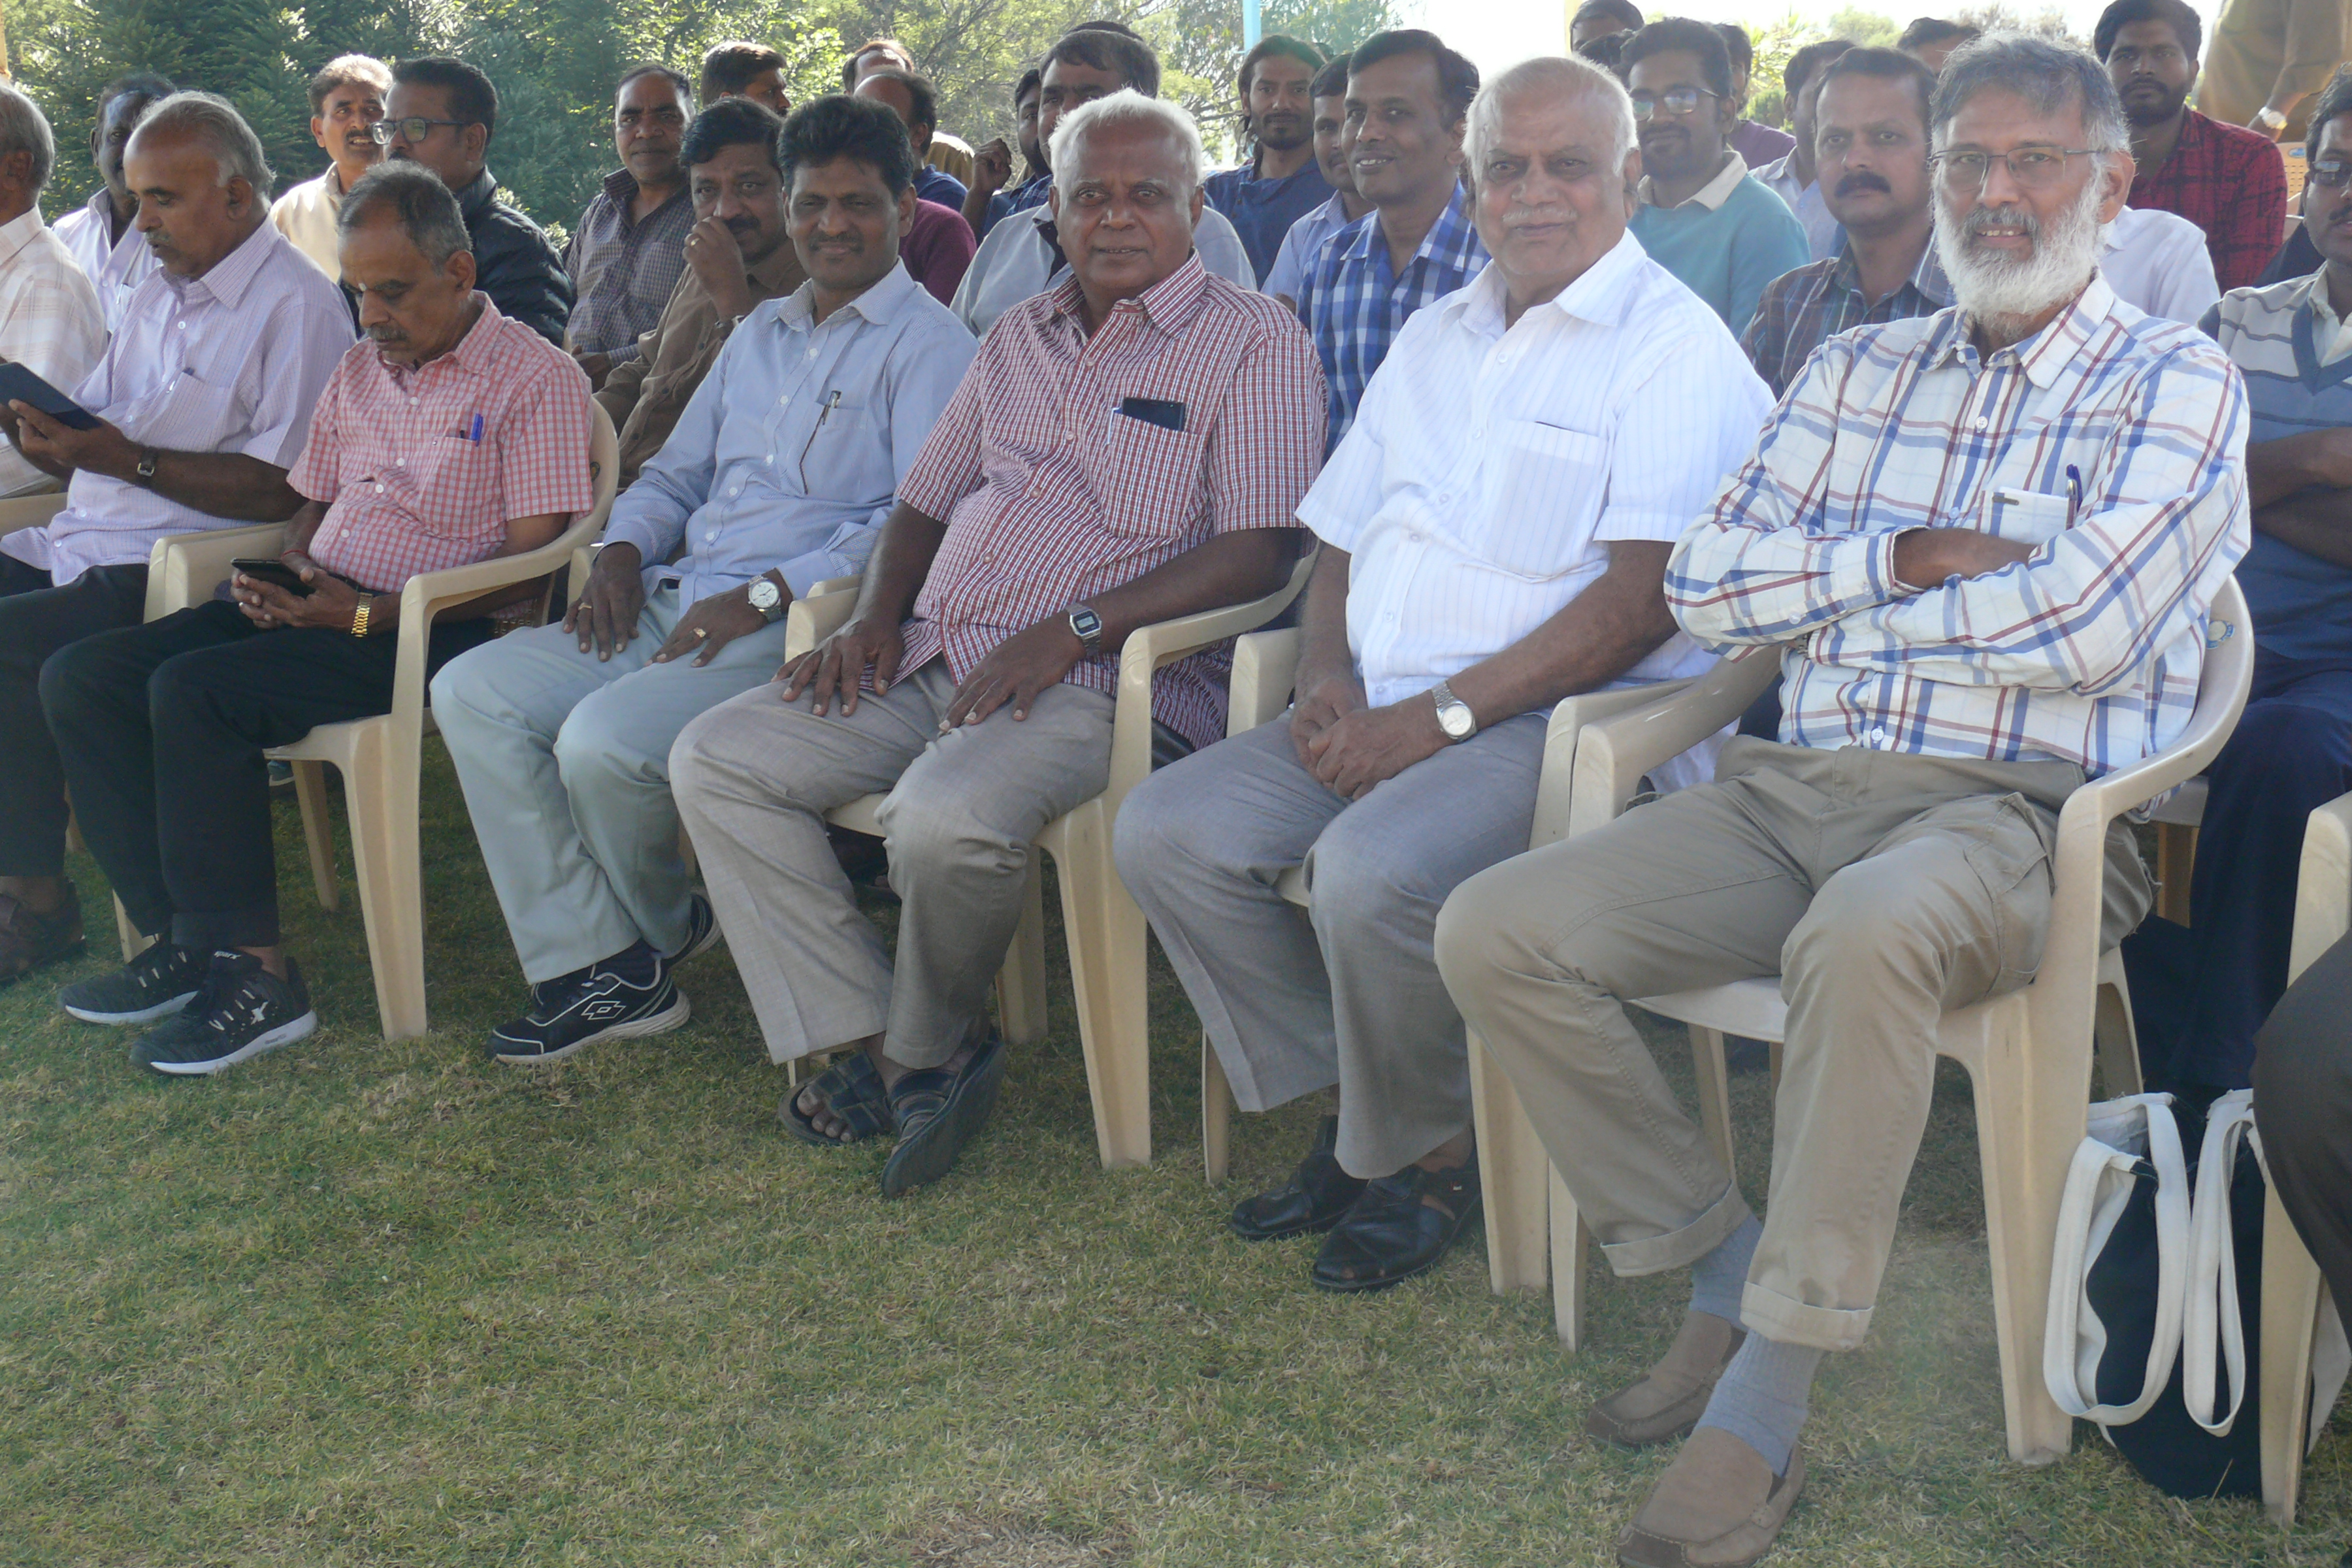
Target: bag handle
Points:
(2099, 1185)
(2214, 1307)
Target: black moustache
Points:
(1854, 183)
(739, 225)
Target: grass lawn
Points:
(359, 1303)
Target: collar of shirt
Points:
(17, 233)
(797, 310)
(1449, 240)
(1599, 294)
(224, 281)
(621, 190)
(1781, 179)
(1926, 277)
(2049, 358)
(1169, 305)
(471, 352)
(1715, 192)
(2329, 340)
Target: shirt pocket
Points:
(832, 456)
(1548, 494)
(188, 413)
(2026, 516)
(457, 487)
(1150, 480)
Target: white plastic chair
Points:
(1512, 1165)
(379, 757)
(1103, 928)
(2028, 1053)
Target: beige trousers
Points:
(1885, 889)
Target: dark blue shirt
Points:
(1261, 211)
(939, 186)
(1004, 204)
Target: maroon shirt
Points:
(2231, 182)
(936, 247)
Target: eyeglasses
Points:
(2032, 168)
(2334, 172)
(412, 129)
(1678, 101)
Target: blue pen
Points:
(2073, 492)
(473, 433)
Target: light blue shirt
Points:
(1288, 278)
(791, 450)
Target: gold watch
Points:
(359, 616)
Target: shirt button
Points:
(812, 352)
(1984, 423)
(379, 489)
(770, 460)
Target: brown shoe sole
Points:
(1742, 1546)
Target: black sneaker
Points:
(159, 982)
(242, 1011)
(701, 931)
(624, 997)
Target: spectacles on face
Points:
(2032, 168)
(1679, 101)
(2332, 172)
(412, 129)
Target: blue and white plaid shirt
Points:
(1354, 304)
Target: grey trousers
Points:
(754, 779)
(1346, 991)
(1885, 889)
(564, 758)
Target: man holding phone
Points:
(454, 434)
(202, 400)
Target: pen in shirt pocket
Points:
(469, 430)
(2073, 493)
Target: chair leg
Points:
(1514, 1175)
(1020, 1001)
(134, 940)
(2176, 863)
(2291, 1286)
(1570, 1240)
(1217, 1113)
(2117, 1038)
(317, 832)
(1106, 932)
(1713, 1075)
(380, 790)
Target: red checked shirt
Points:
(1053, 495)
(420, 468)
(2227, 181)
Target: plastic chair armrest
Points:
(184, 569)
(1266, 666)
(2323, 898)
(1613, 753)
(818, 614)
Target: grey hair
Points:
(2046, 73)
(417, 200)
(24, 129)
(214, 121)
(1129, 107)
(1555, 78)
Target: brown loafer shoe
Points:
(1668, 1402)
(1718, 1506)
(29, 940)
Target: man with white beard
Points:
(1986, 539)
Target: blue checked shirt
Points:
(1803, 309)
(2114, 442)
(1354, 304)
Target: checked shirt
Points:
(1052, 495)
(2112, 441)
(1803, 309)
(1354, 303)
(2229, 182)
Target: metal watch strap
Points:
(1086, 625)
(1443, 696)
(360, 615)
(145, 467)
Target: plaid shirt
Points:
(1803, 309)
(422, 468)
(623, 268)
(1355, 305)
(50, 322)
(2231, 182)
(1053, 494)
(2113, 442)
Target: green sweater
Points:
(1725, 254)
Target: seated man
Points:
(1022, 255)
(2157, 261)
(1794, 176)
(1756, 144)
(628, 247)
(1703, 218)
(915, 100)
(1930, 40)
(451, 435)
(2206, 990)
(744, 69)
(1602, 20)
(738, 254)
(442, 113)
(1283, 181)
(2302, 1103)
(346, 101)
(562, 734)
(1987, 541)
(936, 243)
(985, 199)
(101, 232)
(1439, 631)
(1125, 449)
(202, 400)
(1303, 245)
(50, 320)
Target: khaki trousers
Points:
(1885, 889)
(755, 777)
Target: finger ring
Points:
(699, 634)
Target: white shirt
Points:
(1017, 261)
(1488, 471)
(50, 322)
(231, 362)
(306, 214)
(1822, 232)
(2157, 261)
(1288, 277)
(117, 267)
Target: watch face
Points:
(1455, 720)
(763, 594)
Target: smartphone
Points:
(263, 569)
(19, 384)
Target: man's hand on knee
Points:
(606, 618)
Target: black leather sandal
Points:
(1317, 1195)
(1391, 1235)
(937, 1113)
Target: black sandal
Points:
(853, 1091)
(1390, 1235)
(937, 1112)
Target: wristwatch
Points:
(1453, 715)
(360, 615)
(2271, 118)
(146, 467)
(1086, 627)
(767, 598)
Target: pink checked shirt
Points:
(1060, 478)
(422, 468)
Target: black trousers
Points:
(36, 619)
(196, 698)
(2303, 1104)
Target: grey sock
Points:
(1718, 1280)
(1763, 1397)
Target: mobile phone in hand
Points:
(265, 569)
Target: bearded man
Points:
(1986, 540)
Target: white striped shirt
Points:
(50, 322)
(231, 362)
(1488, 471)
(115, 266)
